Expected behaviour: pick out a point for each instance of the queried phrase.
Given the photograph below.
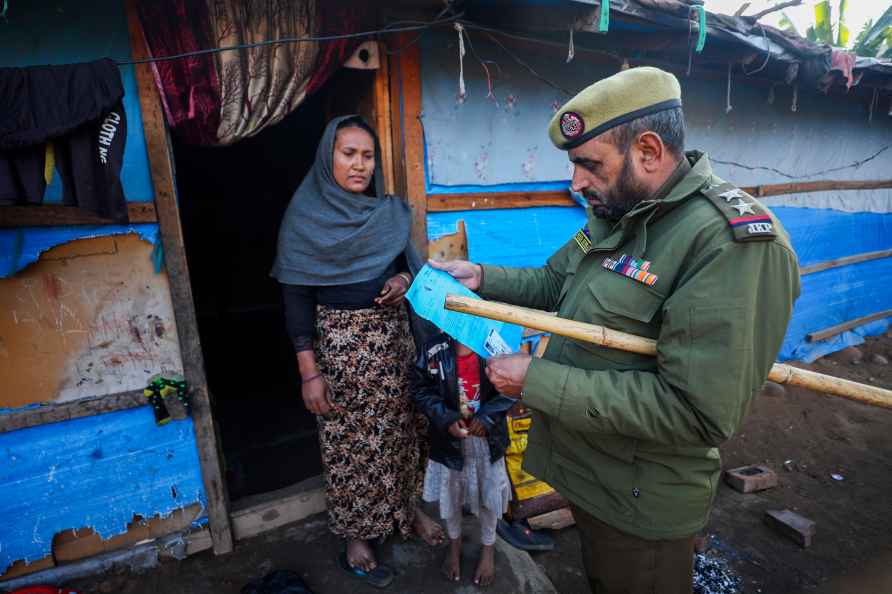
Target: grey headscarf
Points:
(331, 236)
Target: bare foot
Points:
(486, 568)
(429, 530)
(359, 554)
(451, 567)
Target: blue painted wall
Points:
(528, 236)
(95, 471)
(63, 32)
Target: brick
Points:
(747, 479)
(798, 528)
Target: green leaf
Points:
(842, 31)
(823, 27)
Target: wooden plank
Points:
(553, 520)
(181, 290)
(413, 138)
(65, 411)
(844, 261)
(51, 215)
(271, 515)
(383, 124)
(816, 186)
(497, 200)
(452, 246)
(840, 328)
(396, 121)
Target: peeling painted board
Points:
(71, 545)
(22, 247)
(513, 237)
(91, 318)
(95, 471)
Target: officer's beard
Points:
(620, 199)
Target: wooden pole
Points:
(161, 166)
(539, 320)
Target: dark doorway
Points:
(231, 202)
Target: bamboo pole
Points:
(539, 320)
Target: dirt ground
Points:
(804, 436)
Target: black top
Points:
(301, 300)
(435, 391)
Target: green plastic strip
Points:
(605, 16)
(158, 256)
(701, 39)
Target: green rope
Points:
(701, 39)
(605, 16)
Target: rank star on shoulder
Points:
(731, 194)
(743, 207)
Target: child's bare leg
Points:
(486, 567)
(452, 561)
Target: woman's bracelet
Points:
(311, 378)
(406, 277)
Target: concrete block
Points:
(798, 528)
(747, 479)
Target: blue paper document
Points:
(485, 337)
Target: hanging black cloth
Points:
(77, 107)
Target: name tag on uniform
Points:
(634, 268)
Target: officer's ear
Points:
(651, 150)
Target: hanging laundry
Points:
(79, 108)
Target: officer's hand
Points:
(508, 372)
(458, 430)
(467, 273)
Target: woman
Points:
(345, 261)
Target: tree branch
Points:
(775, 8)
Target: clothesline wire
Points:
(390, 29)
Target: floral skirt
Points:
(373, 446)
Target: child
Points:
(468, 435)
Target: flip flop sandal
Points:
(520, 536)
(380, 577)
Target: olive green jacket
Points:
(632, 438)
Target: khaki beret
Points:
(615, 100)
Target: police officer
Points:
(670, 252)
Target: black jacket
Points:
(436, 395)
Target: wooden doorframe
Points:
(407, 131)
(168, 214)
(396, 114)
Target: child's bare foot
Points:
(486, 568)
(428, 529)
(360, 555)
(451, 567)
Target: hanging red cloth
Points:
(189, 87)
